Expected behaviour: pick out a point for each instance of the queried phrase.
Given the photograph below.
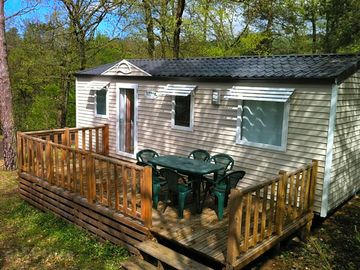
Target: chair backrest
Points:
(200, 154)
(145, 155)
(225, 160)
(232, 179)
(172, 178)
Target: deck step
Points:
(169, 256)
(136, 263)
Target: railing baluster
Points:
(247, 222)
(97, 140)
(68, 169)
(105, 139)
(256, 217)
(76, 140)
(281, 197)
(108, 183)
(101, 185)
(63, 158)
(272, 209)
(74, 172)
(116, 191)
(302, 191)
(133, 191)
(235, 240)
(263, 213)
(124, 187)
(49, 163)
(83, 139)
(90, 140)
(296, 196)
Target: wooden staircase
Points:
(163, 257)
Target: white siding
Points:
(345, 176)
(215, 128)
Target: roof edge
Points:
(318, 80)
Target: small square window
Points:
(101, 102)
(182, 116)
(263, 124)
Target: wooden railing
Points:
(261, 215)
(92, 139)
(59, 159)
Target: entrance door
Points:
(127, 136)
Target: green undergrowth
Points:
(32, 239)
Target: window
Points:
(182, 112)
(127, 120)
(263, 124)
(101, 103)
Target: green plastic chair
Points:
(225, 160)
(159, 185)
(145, 155)
(200, 154)
(182, 190)
(220, 189)
(158, 182)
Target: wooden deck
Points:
(201, 233)
(68, 172)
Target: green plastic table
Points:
(194, 168)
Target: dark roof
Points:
(325, 66)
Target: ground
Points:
(334, 243)
(31, 239)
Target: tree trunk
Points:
(149, 28)
(314, 34)
(82, 51)
(163, 27)
(6, 111)
(178, 21)
(63, 104)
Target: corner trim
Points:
(329, 151)
(76, 103)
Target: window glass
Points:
(126, 121)
(182, 111)
(262, 122)
(101, 102)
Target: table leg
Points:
(196, 183)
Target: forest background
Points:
(49, 41)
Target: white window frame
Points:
(285, 128)
(106, 115)
(192, 103)
(129, 86)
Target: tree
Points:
(180, 6)
(6, 110)
(147, 6)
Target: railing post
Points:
(314, 170)
(90, 175)
(280, 206)
(105, 139)
(66, 137)
(49, 162)
(19, 151)
(234, 233)
(146, 197)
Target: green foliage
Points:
(40, 114)
(45, 56)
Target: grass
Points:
(31, 239)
